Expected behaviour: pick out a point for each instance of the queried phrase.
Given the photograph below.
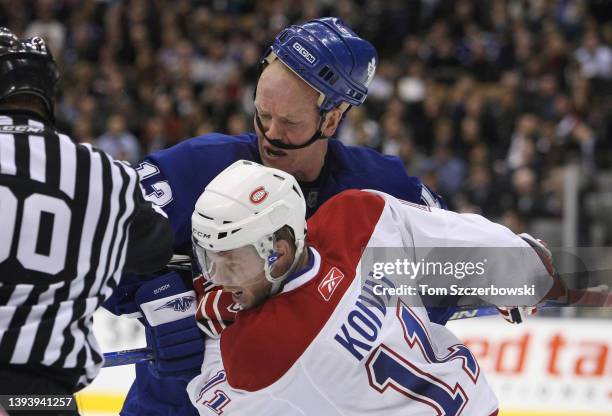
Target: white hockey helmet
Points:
(245, 205)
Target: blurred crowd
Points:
(486, 100)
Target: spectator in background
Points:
(410, 154)
(359, 130)
(82, 132)
(524, 191)
(513, 220)
(443, 62)
(393, 134)
(164, 111)
(594, 58)
(480, 193)
(411, 87)
(118, 142)
(237, 124)
(522, 146)
(154, 136)
(48, 27)
(480, 61)
(529, 84)
(449, 171)
(470, 135)
(443, 133)
(215, 66)
(382, 88)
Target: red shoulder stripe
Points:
(265, 342)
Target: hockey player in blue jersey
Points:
(311, 75)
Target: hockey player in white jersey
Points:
(306, 340)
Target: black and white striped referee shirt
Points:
(71, 220)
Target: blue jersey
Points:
(174, 179)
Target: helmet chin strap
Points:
(318, 135)
(268, 58)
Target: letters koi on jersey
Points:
(359, 333)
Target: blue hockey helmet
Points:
(330, 57)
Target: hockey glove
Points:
(168, 307)
(216, 309)
(517, 314)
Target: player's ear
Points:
(332, 120)
(284, 254)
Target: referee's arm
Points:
(150, 240)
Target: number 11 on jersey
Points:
(389, 369)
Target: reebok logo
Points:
(304, 52)
(330, 282)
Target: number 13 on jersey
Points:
(162, 193)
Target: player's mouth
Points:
(274, 153)
(236, 296)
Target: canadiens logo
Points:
(181, 304)
(258, 195)
(234, 308)
(330, 282)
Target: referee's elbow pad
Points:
(149, 249)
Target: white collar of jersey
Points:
(308, 274)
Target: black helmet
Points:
(27, 67)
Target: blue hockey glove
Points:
(168, 308)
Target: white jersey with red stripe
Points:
(325, 346)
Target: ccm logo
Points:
(302, 51)
(201, 234)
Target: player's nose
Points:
(231, 288)
(275, 131)
(222, 279)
